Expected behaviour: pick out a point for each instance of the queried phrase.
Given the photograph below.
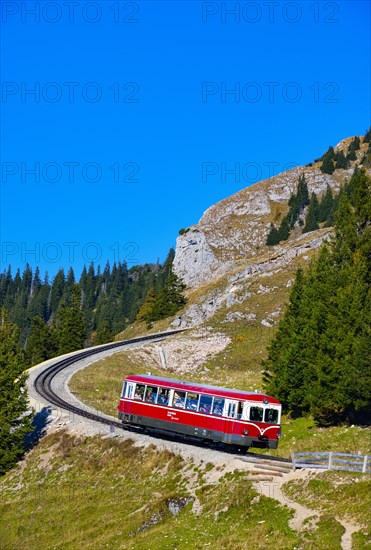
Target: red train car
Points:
(209, 412)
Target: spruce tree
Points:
(319, 359)
(103, 335)
(326, 206)
(41, 343)
(311, 223)
(273, 236)
(70, 326)
(15, 419)
(284, 230)
(341, 160)
(327, 166)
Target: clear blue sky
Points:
(134, 122)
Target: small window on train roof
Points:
(206, 402)
(256, 414)
(179, 399)
(271, 416)
(192, 401)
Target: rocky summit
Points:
(231, 234)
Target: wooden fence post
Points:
(330, 461)
(293, 461)
(364, 467)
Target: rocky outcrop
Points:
(235, 229)
(234, 290)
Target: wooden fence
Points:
(332, 461)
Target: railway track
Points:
(42, 385)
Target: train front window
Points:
(139, 392)
(192, 401)
(163, 396)
(179, 399)
(218, 406)
(151, 394)
(206, 402)
(256, 414)
(271, 416)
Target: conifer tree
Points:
(70, 326)
(41, 343)
(311, 223)
(284, 230)
(103, 335)
(145, 312)
(326, 206)
(273, 236)
(169, 300)
(319, 359)
(341, 160)
(328, 166)
(15, 420)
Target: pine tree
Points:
(311, 223)
(103, 335)
(15, 420)
(169, 300)
(284, 230)
(41, 344)
(70, 331)
(367, 136)
(273, 236)
(145, 312)
(341, 160)
(327, 166)
(355, 144)
(319, 359)
(325, 206)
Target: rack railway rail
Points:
(42, 385)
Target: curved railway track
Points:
(43, 381)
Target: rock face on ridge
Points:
(235, 229)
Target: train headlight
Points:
(246, 432)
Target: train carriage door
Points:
(230, 412)
(128, 394)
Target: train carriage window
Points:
(139, 392)
(163, 396)
(179, 399)
(232, 409)
(192, 401)
(206, 402)
(151, 394)
(271, 416)
(239, 409)
(128, 390)
(256, 413)
(218, 406)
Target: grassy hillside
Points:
(101, 493)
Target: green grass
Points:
(343, 494)
(102, 493)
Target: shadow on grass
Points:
(39, 423)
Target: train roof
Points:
(200, 388)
